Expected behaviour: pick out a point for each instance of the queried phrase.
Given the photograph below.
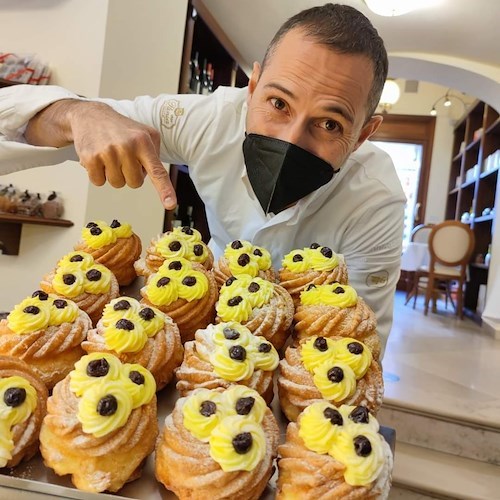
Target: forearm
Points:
(52, 125)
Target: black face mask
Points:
(282, 173)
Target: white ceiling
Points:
(456, 43)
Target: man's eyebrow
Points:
(329, 108)
(341, 111)
(277, 86)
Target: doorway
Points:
(407, 159)
(409, 139)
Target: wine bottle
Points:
(205, 82)
(195, 83)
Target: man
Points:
(283, 163)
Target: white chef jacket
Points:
(359, 213)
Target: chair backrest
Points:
(420, 233)
(451, 243)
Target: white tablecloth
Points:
(415, 256)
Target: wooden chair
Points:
(419, 234)
(451, 244)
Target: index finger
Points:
(160, 179)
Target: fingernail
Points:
(168, 203)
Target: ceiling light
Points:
(447, 102)
(390, 95)
(397, 7)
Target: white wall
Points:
(91, 46)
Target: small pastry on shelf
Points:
(182, 242)
(23, 404)
(101, 423)
(336, 310)
(241, 257)
(226, 354)
(186, 292)
(338, 370)
(265, 308)
(115, 246)
(334, 453)
(46, 332)
(315, 264)
(139, 334)
(218, 445)
(79, 278)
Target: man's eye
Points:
(278, 103)
(331, 125)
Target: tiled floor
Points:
(443, 365)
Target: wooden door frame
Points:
(413, 129)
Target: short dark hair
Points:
(346, 31)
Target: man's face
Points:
(312, 97)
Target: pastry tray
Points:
(32, 480)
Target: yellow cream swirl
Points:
(360, 417)
(119, 308)
(104, 407)
(237, 443)
(361, 451)
(297, 261)
(91, 368)
(171, 246)
(193, 286)
(235, 248)
(333, 294)
(233, 307)
(162, 290)
(322, 259)
(68, 282)
(76, 261)
(176, 268)
(121, 229)
(259, 292)
(241, 400)
(197, 252)
(18, 400)
(186, 233)
(152, 320)
(355, 354)
(229, 333)
(6, 443)
(28, 316)
(98, 234)
(139, 383)
(125, 336)
(263, 257)
(263, 354)
(316, 351)
(319, 425)
(97, 280)
(62, 311)
(336, 381)
(202, 412)
(232, 363)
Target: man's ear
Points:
(369, 129)
(254, 78)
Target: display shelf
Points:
(476, 137)
(11, 228)
(205, 39)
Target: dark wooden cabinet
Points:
(209, 43)
(472, 189)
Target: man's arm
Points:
(110, 146)
(373, 254)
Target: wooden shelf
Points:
(473, 144)
(484, 218)
(454, 191)
(479, 266)
(484, 175)
(26, 219)
(495, 126)
(468, 183)
(7, 83)
(11, 226)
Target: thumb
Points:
(160, 179)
